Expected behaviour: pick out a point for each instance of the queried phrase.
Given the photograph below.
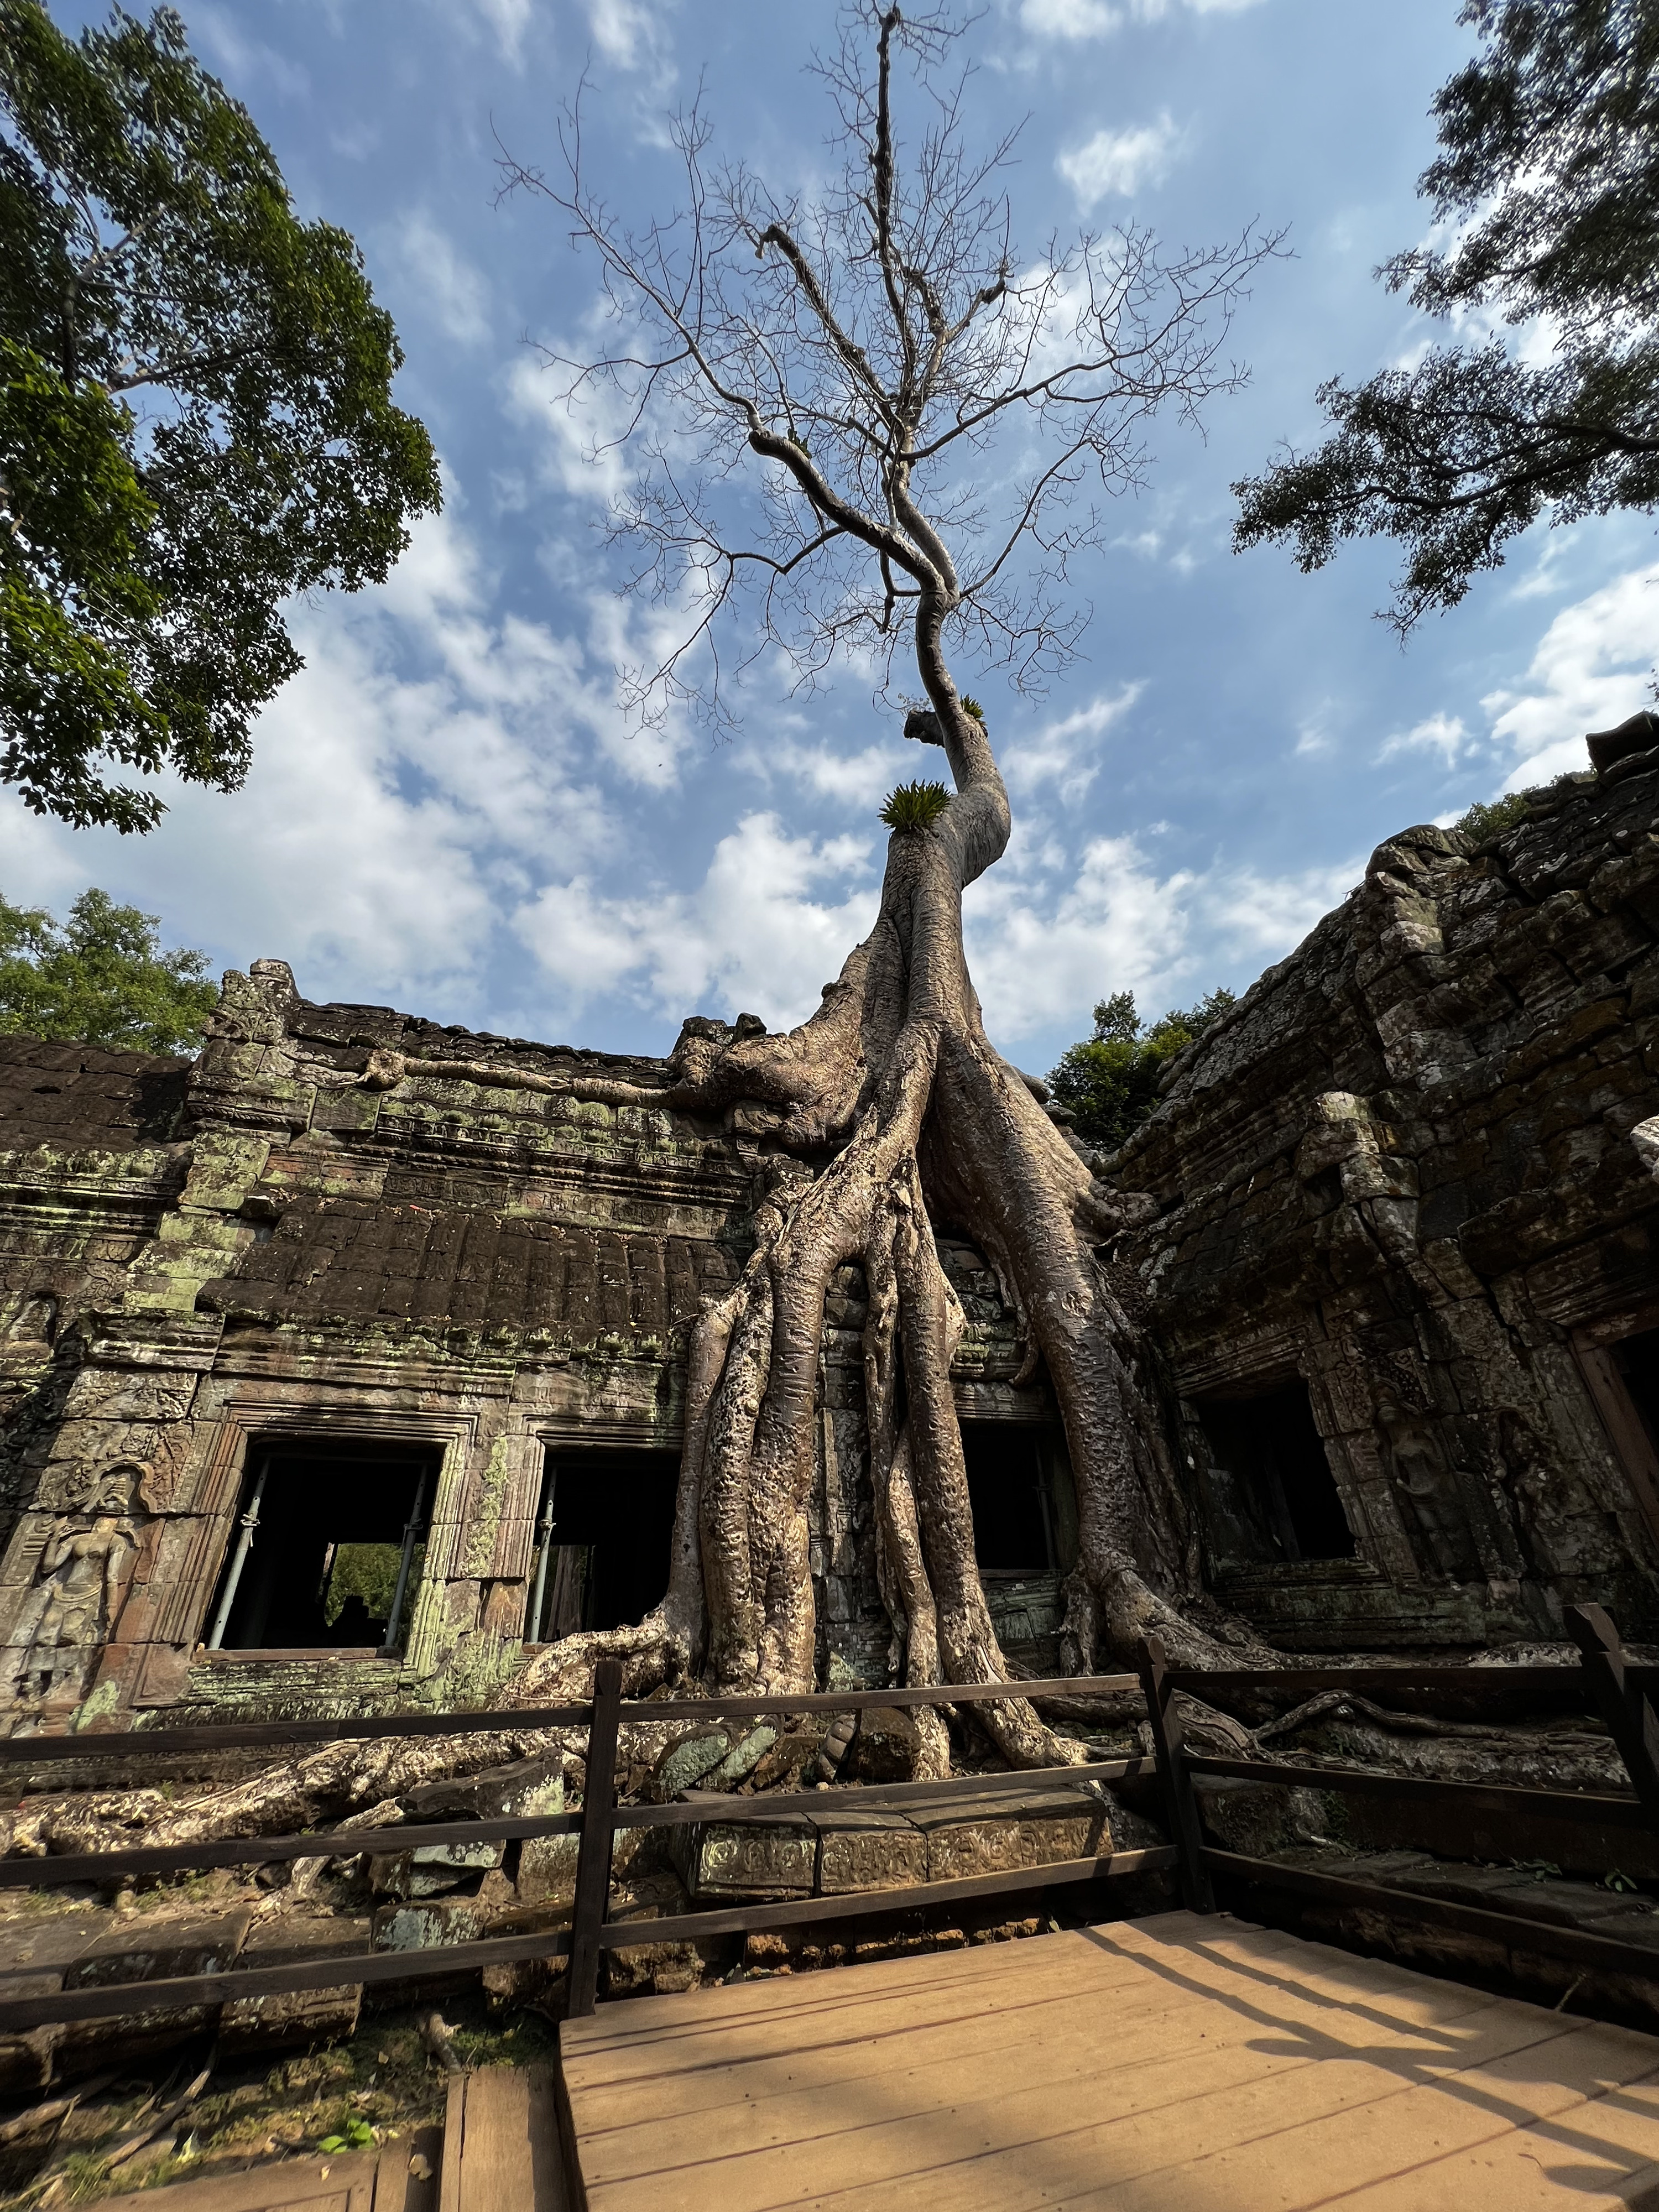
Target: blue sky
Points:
(449, 811)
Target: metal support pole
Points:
(244, 1546)
(1618, 1699)
(538, 1600)
(593, 1857)
(1186, 1831)
(411, 1530)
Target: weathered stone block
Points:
(763, 1856)
(997, 1834)
(868, 1850)
(295, 2016)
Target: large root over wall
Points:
(887, 1113)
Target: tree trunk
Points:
(892, 1112)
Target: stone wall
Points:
(1406, 1199)
(256, 1251)
(1413, 1168)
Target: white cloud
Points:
(627, 31)
(407, 786)
(1046, 940)
(1094, 19)
(1592, 668)
(1069, 19)
(448, 286)
(1438, 734)
(750, 937)
(1314, 734)
(580, 450)
(1066, 753)
(1121, 162)
(509, 19)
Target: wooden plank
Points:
(339, 1970)
(398, 2187)
(1622, 1703)
(1048, 2059)
(1472, 1796)
(1179, 1806)
(1580, 2161)
(449, 2192)
(1384, 2138)
(502, 2151)
(1377, 1681)
(317, 2185)
(258, 1735)
(493, 2170)
(1514, 1930)
(593, 1891)
(253, 1735)
(1183, 2064)
(860, 1701)
(549, 2189)
(1215, 2082)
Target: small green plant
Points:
(1540, 1869)
(1619, 1882)
(972, 706)
(915, 805)
(356, 2134)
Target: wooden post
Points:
(594, 1857)
(1620, 1702)
(1181, 1805)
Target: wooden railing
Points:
(591, 1932)
(1602, 1681)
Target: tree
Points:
(196, 418)
(1110, 1082)
(1549, 170)
(867, 424)
(100, 978)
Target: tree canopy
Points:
(196, 418)
(1110, 1080)
(1546, 192)
(100, 978)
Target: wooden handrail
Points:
(1603, 1679)
(531, 1720)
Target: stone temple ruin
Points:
(345, 1363)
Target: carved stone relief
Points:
(70, 1609)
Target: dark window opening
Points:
(1019, 1520)
(326, 1550)
(1636, 1358)
(1271, 1492)
(603, 1531)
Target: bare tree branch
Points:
(924, 406)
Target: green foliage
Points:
(914, 805)
(1485, 818)
(1110, 1080)
(368, 1571)
(972, 706)
(148, 248)
(1549, 174)
(100, 978)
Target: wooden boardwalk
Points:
(1176, 2064)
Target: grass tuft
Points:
(914, 806)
